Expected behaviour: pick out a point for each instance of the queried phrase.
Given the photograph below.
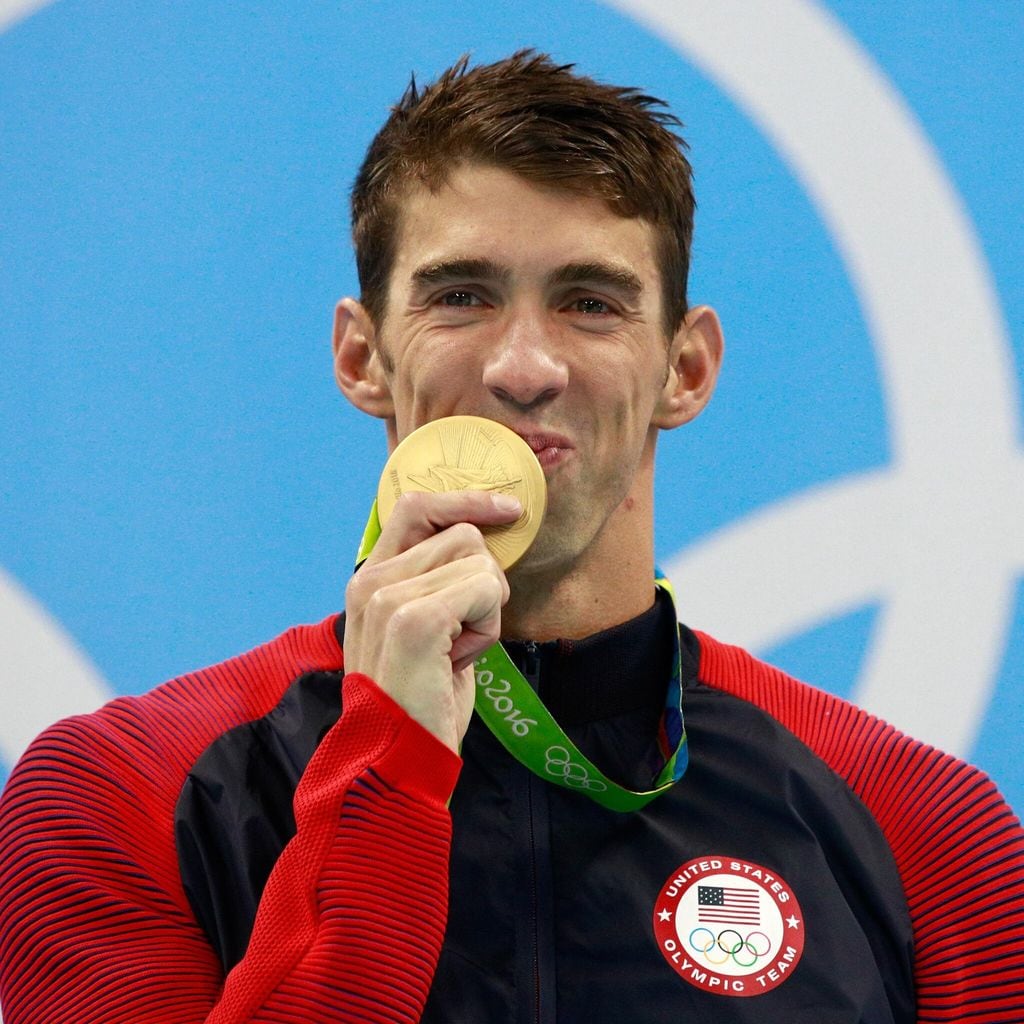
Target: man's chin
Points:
(550, 556)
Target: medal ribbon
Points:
(517, 717)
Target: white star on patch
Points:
(664, 915)
(793, 922)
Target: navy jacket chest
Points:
(555, 900)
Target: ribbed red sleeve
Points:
(958, 846)
(94, 925)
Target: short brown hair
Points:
(539, 120)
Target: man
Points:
(272, 839)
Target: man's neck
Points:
(608, 582)
(580, 602)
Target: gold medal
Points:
(469, 453)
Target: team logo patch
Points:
(728, 926)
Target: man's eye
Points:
(591, 306)
(459, 299)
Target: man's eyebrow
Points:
(609, 275)
(460, 269)
(606, 274)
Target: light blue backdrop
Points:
(179, 478)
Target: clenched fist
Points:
(427, 603)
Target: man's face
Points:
(542, 310)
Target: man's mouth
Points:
(550, 449)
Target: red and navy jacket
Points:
(273, 840)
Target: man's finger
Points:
(452, 544)
(418, 515)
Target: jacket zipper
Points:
(531, 671)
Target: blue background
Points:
(180, 480)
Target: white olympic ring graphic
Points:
(935, 536)
(839, 122)
(731, 949)
(559, 765)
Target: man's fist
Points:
(427, 603)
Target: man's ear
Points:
(695, 356)
(357, 361)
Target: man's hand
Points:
(427, 602)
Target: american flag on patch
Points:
(722, 905)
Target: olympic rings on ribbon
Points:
(731, 944)
(557, 763)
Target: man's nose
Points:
(525, 367)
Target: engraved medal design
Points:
(469, 453)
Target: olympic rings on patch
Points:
(731, 944)
(575, 775)
(717, 961)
